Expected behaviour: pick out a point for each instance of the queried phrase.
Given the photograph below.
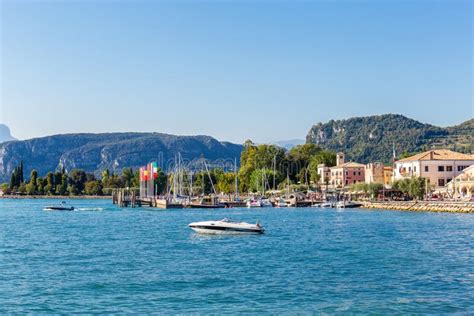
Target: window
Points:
(449, 168)
(427, 169)
(359, 173)
(461, 168)
(441, 169)
(440, 182)
(347, 182)
(414, 168)
(354, 173)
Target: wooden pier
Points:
(130, 198)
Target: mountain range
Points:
(372, 138)
(113, 151)
(5, 135)
(363, 139)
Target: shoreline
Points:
(57, 197)
(405, 206)
(422, 206)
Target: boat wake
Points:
(92, 209)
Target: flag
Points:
(155, 170)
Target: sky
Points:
(235, 70)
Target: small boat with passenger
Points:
(226, 226)
(61, 207)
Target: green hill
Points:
(371, 138)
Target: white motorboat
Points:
(254, 203)
(279, 202)
(266, 203)
(326, 205)
(226, 226)
(61, 207)
(347, 204)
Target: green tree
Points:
(128, 176)
(226, 182)
(411, 187)
(417, 188)
(93, 187)
(21, 178)
(49, 187)
(160, 182)
(257, 157)
(41, 185)
(299, 158)
(78, 179)
(328, 158)
(32, 186)
(61, 188)
(203, 182)
(374, 189)
(261, 180)
(5, 188)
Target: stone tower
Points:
(339, 159)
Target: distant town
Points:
(268, 171)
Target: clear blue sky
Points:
(232, 69)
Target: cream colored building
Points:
(341, 175)
(374, 172)
(439, 166)
(378, 172)
(463, 185)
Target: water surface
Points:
(103, 259)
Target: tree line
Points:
(262, 168)
(76, 182)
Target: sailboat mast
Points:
(236, 191)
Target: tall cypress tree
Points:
(21, 178)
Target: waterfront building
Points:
(439, 166)
(346, 173)
(378, 172)
(324, 174)
(374, 172)
(462, 185)
(387, 175)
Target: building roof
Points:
(438, 154)
(350, 165)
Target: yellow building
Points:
(387, 175)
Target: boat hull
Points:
(224, 231)
(56, 208)
(226, 227)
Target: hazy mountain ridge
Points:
(5, 135)
(371, 138)
(95, 152)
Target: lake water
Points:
(111, 260)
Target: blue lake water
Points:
(111, 260)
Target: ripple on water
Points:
(111, 260)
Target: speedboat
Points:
(266, 203)
(326, 204)
(226, 226)
(254, 203)
(347, 204)
(61, 207)
(279, 202)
